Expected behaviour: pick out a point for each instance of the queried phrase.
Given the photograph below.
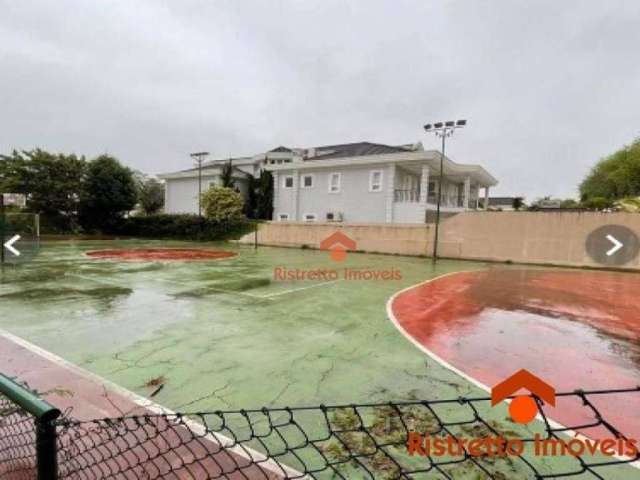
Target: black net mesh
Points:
(17, 441)
(343, 441)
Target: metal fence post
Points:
(46, 447)
(44, 415)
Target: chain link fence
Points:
(27, 434)
(396, 440)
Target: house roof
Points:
(220, 162)
(280, 149)
(356, 149)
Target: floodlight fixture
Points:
(441, 130)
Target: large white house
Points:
(356, 182)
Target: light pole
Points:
(199, 158)
(442, 130)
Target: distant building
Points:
(549, 203)
(353, 182)
(15, 199)
(500, 203)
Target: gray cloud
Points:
(548, 87)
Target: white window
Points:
(307, 181)
(283, 217)
(310, 217)
(375, 181)
(334, 182)
(287, 181)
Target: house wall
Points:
(354, 200)
(408, 212)
(181, 194)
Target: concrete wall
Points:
(554, 238)
(381, 238)
(529, 237)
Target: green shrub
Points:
(187, 227)
(597, 203)
(221, 204)
(629, 204)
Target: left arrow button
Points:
(9, 245)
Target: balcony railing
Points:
(412, 195)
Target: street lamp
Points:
(199, 158)
(442, 130)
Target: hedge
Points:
(188, 227)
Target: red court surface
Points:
(574, 329)
(183, 451)
(151, 254)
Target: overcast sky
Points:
(548, 87)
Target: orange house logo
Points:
(338, 244)
(523, 409)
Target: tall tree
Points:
(150, 195)
(250, 203)
(264, 196)
(108, 193)
(51, 182)
(226, 176)
(614, 177)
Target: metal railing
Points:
(27, 432)
(412, 195)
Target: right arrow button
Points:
(613, 245)
(617, 245)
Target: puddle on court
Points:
(225, 333)
(576, 330)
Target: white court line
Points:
(293, 290)
(468, 378)
(245, 452)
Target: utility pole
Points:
(442, 130)
(199, 158)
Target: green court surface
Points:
(226, 334)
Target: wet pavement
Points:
(574, 329)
